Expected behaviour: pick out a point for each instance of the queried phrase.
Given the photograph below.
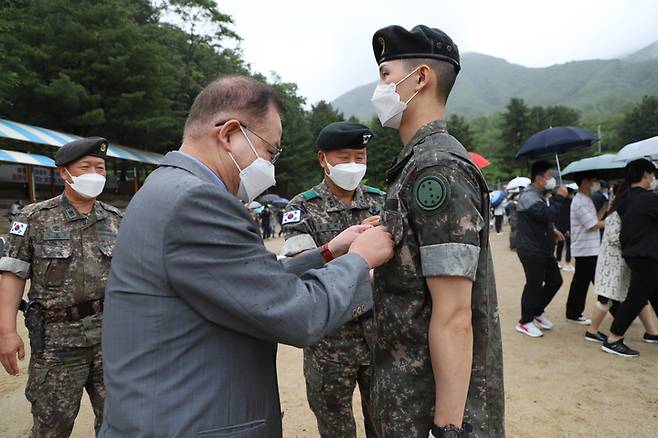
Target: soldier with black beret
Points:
(334, 366)
(437, 361)
(64, 246)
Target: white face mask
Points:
(87, 185)
(387, 103)
(551, 183)
(347, 176)
(256, 177)
(596, 187)
(652, 185)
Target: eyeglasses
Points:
(277, 149)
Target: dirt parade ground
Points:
(556, 386)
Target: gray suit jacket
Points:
(195, 306)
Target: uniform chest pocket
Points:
(56, 258)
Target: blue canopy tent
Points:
(34, 134)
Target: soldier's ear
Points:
(424, 77)
(322, 158)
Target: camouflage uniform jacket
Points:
(437, 209)
(312, 219)
(66, 256)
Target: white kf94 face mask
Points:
(87, 185)
(387, 103)
(256, 177)
(347, 176)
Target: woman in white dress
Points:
(613, 276)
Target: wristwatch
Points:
(451, 431)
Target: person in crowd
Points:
(585, 223)
(563, 225)
(265, 217)
(499, 215)
(510, 211)
(437, 355)
(535, 245)
(613, 277)
(334, 366)
(15, 208)
(64, 246)
(638, 210)
(195, 303)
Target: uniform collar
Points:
(358, 200)
(406, 152)
(71, 214)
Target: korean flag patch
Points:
(292, 217)
(18, 228)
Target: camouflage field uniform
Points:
(333, 366)
(437, 209)
(67, 257)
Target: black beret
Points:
(343, 135)
(396, 42)
(70, 152)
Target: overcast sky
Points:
(325, 46)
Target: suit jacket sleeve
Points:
(217, 263)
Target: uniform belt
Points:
(76, 312)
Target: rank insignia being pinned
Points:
(292, 217)
(431, 192)
(18, 228)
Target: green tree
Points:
(461, 130)
(110, 68)
(383, 148)
(322, 114)
(296, 170)
(640, 122)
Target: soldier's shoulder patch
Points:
(291, 217)
(375, 191)
(310, 194)
(431, 192)
(18, 228)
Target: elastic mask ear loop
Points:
(403, 79)
(250, 145)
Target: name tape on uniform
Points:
(18, 228)
(292, 217)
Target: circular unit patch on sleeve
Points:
(431, 192)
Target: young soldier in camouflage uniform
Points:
(64, 246)
(438, 358)
(333, 366)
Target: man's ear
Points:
(424, 77)
(225, 131)
(62, 173)
(321, 158)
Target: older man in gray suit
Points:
(195, 304)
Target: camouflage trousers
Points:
(54, 387)
(332, 369)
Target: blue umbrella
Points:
(605, 165)
(270, 197)
(280, 202)
(556, 141)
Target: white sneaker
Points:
(529, 329)
(568, 268)
(543, 322)
(580, 320)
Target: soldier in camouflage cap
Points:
(334, 366)
(437, 363)
(64, 246)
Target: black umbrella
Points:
(556, 141)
